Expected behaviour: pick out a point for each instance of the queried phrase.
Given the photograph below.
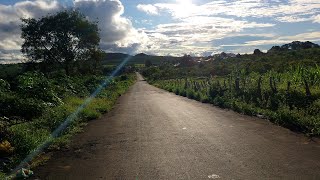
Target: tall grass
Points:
(290, 99)
(27, 135)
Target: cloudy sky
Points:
(175, 27)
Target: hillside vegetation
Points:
(117, 58)
(282, 85)
(63, 69)
(33, 105)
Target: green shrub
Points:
(90, 114)
(314, 108)
(176, 91)
(198, 96)
(289, 118)
(219, 101)
(168, 88)
(52, 118)
(123, 78)
(312, 125)
(27, 108)
(190, 94)
(4, 86)
(182, 92)
(47, 102)
(36, 85)
(25, 138)
(248, 109)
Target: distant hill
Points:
(116, 55)
(295, 45)
(287, 54)
(117, 58)
(278, 58)
(141, 55)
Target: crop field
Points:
(290, 99)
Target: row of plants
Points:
(33, 105)
(290, 99)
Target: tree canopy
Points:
(257, 52)
(62, 38)
(295, 45)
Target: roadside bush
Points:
(290, 119)
(4, 86)
(27, 108)
(182, 92)
(90, 114)
(190, 94)
(176, 91)
(286, 97)
(53, 117)
(198, 96)
(312, 123)
(43, 118)
(25, 138)
(36, 85)
(124, 77)
(219, 101)
(314, 108)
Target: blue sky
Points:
(176, 27)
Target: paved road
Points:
(153, 134)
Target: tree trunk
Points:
(237, 84)
(308, 93)
(273, 85)
(288, 96)
(259, 87)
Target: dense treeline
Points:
(278, 61)
(283, 86)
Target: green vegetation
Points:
(63, 69)
(117, 58)
(10, 71)
(287, 92)
(33, 107)
(65, 40)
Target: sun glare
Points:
(184, 1)
(184, 8)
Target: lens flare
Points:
(69, 119)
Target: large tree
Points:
(63, 38)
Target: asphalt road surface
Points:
(154, 134)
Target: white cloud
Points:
(116, 32)
(195, 27)
(309, 36)
(194, 35)
(192, 30)
(36, 9)
(114, 27)
(12, 56)
(292, 19)
(148, 8)
(10, 20)
(291, 10)
(316, 19)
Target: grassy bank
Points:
(37, 105)
(290, 99)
